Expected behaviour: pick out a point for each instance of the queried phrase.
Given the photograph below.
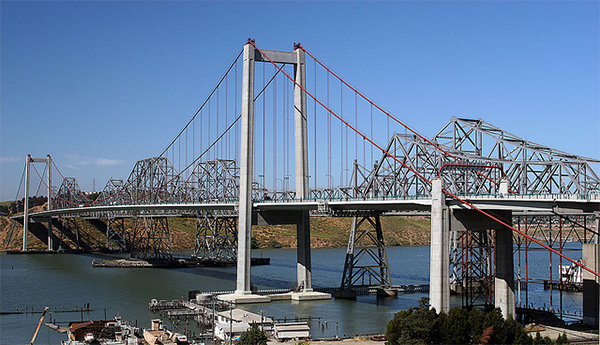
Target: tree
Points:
(254, 336)
(514, 333)
(562, 339)
(421, 325)
(412, 326)
(538, 340)
(455, 329)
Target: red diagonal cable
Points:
(519, 232)
(56, 195)
(339, 118)
(378, 107)
(69, 183)
(385, 112)
(450, 194)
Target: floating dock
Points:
(175, 263)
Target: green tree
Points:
(455, 329)
(562, 339)
(254, 336)
(538, 340)
(421, 325)
(412, 326)
(513, 333)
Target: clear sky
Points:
(99, 85)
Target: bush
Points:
(273, 244)
(254, 336)
(412, 326)
(421, 325)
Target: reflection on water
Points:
(69, 281)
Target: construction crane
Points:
(38, 326)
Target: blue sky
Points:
(99, 85)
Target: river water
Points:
(69, 281)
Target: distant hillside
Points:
(325, 232)
(334, 232)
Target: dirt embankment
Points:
(83, 234)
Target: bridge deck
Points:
(518, 203)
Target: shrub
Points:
(254, 336)
(421, 325)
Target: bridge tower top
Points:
(253, 54)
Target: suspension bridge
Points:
(282, 137)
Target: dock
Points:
(175, 263)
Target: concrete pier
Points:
(246, 166)
(439, 269)
(504, 284)
(301, 156)
(590, 259)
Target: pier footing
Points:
(310, 296)
(243, 299)
(289, 296)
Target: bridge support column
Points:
(246, 160)
(49, 185)
(26, 203)
(591, 257)
(303, 253)
(439, 269)
(504, 284)
(301, 158)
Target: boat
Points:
(101, 332)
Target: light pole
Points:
(262, 188)
(342, 172)
(230, 323)
(287, 182)
(330, 180)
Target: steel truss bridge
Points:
(275, 158)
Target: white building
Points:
(240, 315)
(226, 331)
(291, 330)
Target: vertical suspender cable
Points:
(315, 125)
(201, 133)
(227, 117)
(341, 131)
(264, 101)
(217, 155)
(284, 132)
(194, 140)
(208, 128)
(328, 139)
(290, 129)
(372, 161)
(186, 147)
(236, 145)
(356, 124)
(388, 127)
(275, 134)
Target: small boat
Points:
(102, 332)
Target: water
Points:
(69, 281)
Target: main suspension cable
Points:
(339, 118)
(378, 107)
